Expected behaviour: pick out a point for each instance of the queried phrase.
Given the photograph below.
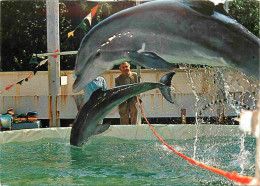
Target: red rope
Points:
(132, 118)
(234, 176)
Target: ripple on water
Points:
(107, 161)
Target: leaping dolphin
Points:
(102, 102)
(192, 32)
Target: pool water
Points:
(113, 161)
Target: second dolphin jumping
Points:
(102, 102)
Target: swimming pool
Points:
(107, 160)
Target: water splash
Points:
(241, 160)
(226, 87)
(193, 88)
(241, 153)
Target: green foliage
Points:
(20, 25)
(24, 33)
(246, 12)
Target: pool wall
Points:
(34, 97)
(136, 132)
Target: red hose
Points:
(234, 176)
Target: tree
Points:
(246, 12)
(20, 25)
(24, 32)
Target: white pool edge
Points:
(135, 132)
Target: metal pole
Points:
(54, 53)
(257, 167)
(138, 73)
(0, 40)
(53, 43)
(258, 139)
(257, 161)
(139, 114)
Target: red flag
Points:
(30, 75)
(93, 11)
(26, 79)
(7, 88)
(55, 56)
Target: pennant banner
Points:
(33, 60)
(71, 33)
(89, 18)
(30, 75)
(42, 63)
(55, 56)
(20, 82)
(8, 87)
(94, 10)
(83, 25)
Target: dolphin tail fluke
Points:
(166, 90)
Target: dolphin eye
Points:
(97, 54)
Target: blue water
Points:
(113, 161)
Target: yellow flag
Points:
(71, 33)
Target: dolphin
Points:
(102, 102)
(159, 33)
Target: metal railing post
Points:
(53, 44)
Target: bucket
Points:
(6, 121)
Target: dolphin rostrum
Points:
(102, 102)
(192, 32)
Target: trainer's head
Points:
(125, 68)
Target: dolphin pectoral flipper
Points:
(101, 128)
(150, 60)
(96, 65)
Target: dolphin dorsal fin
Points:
(203, 7)
(220, 9)
(206, 7)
